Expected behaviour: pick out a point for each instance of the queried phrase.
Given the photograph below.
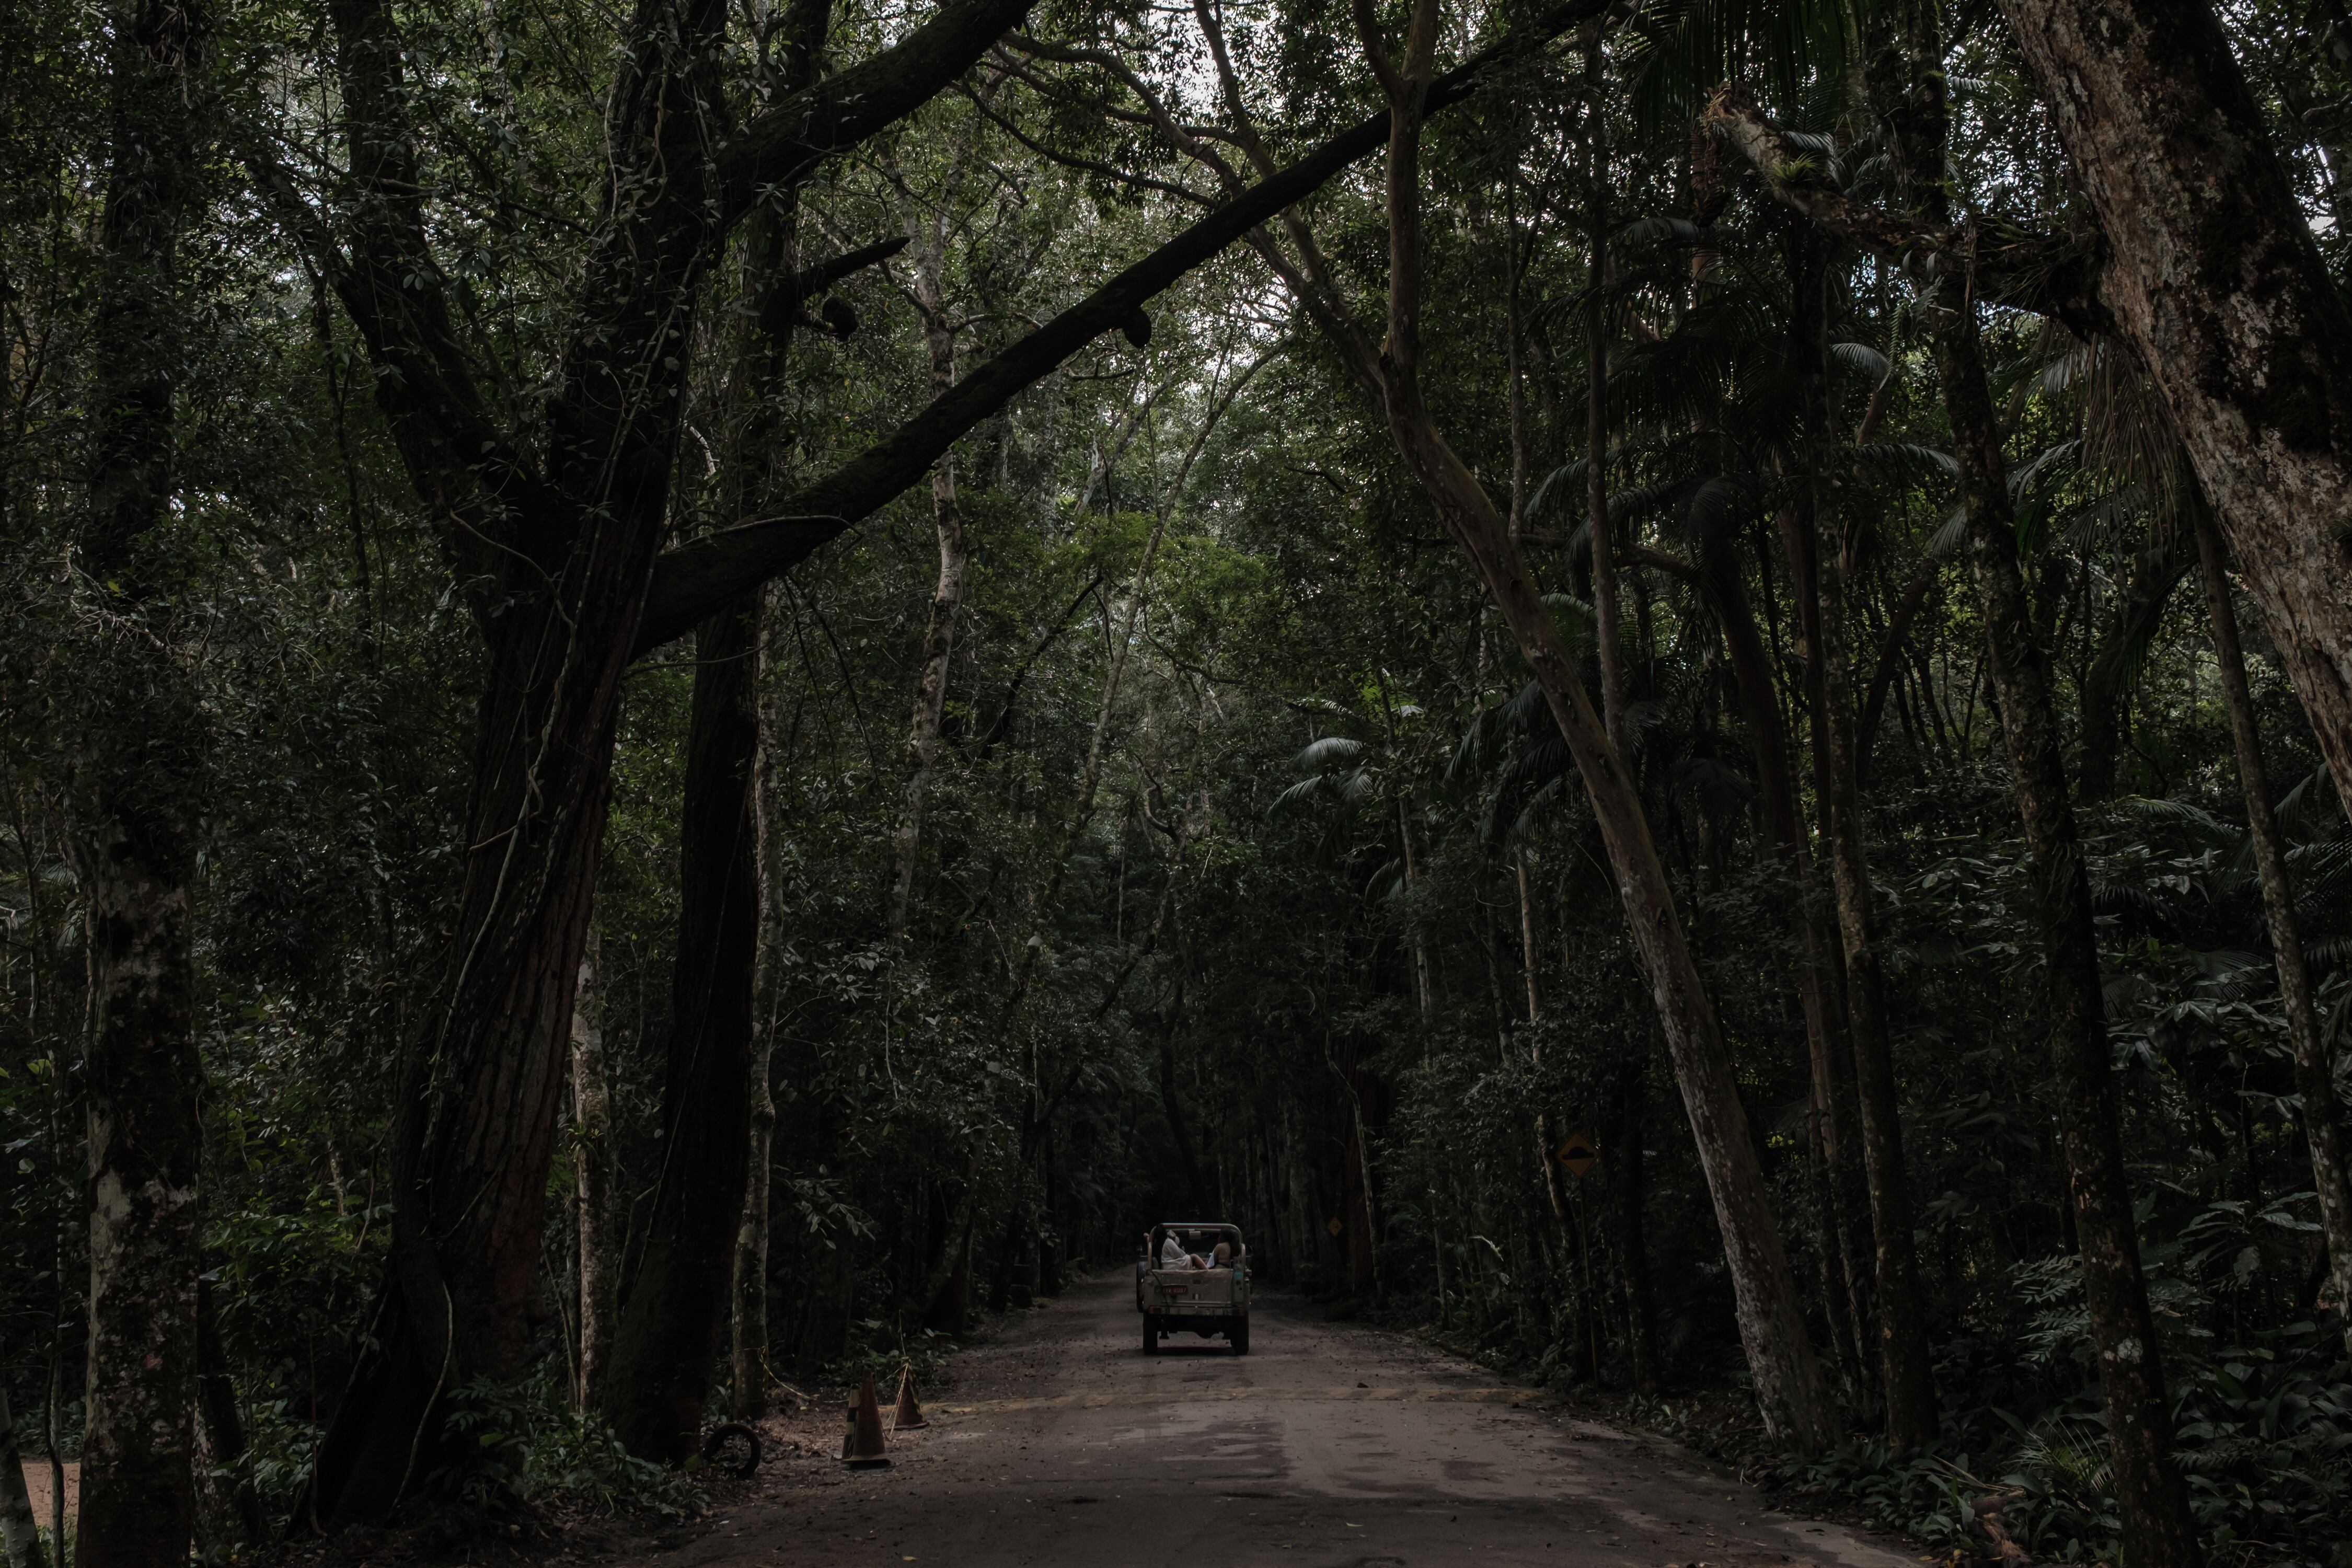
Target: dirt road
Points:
(1329, 1445)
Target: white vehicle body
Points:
(1186, 1299)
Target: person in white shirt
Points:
(1172, 1254)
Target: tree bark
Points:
(679, 1296)
(2215, 280)
(1912, 1417)
(748, 1385)
(140, 782)
(592, 1179)
(1790, 1394)
(2314, 1076)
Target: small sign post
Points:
(1578, 1155)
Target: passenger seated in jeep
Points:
(1174, 1256)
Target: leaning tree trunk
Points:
(1910, 1383)
(2314, 1076)
(679, 1296)
(2215, 280)
(1790, 1392)
(140, 782)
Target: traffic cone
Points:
(911, 1414)
(861, 1445)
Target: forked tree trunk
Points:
(1790, 1392)
(140, 768)
(2216, 283)
(680, 1295)
(592, 1185)
(2314, 1076)
(1903, 1360)
(567, 545)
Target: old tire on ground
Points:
(1239, 1335)
(733, 1447)
(1151, 1335)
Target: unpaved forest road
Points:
(1329, 1445)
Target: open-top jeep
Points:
(1175, 1298)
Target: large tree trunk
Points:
(139, 770)
(1909, 1376)
(2314, 1076)
(1790, 1392)
(679, 1295)
(592, 1187)
(2216, 283)
(479, 1094)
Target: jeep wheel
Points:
(1239, 1335)
(1151, 1335)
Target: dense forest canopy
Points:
(693, 691)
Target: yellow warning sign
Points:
(1577, 1155)
(1335, 1227)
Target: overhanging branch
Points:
(697, 578)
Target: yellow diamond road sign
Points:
(1335, 1227)
(1577, 1154)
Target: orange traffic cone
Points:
(911, 1414)
(861, 1445)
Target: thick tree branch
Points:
(695, 579)
(787, 139)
